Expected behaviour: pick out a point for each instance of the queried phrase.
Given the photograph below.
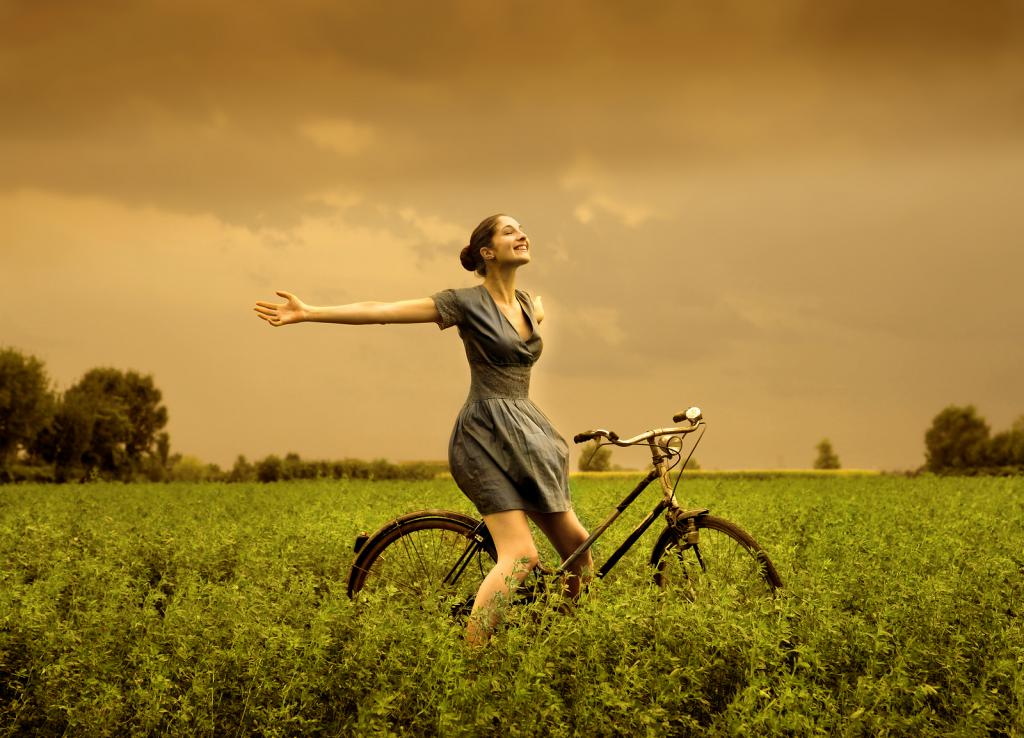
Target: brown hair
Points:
(471, 258)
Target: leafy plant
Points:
(184, 609)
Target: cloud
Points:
(343, 137)
(601, 325)
(583, 214)
(630, 215)
(588, 176)
(433, 228)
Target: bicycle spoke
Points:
(409, 542)
(399, 582)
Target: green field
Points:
(221, 610)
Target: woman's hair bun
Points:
(468, 259)
(471, 258)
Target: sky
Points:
(803, 216)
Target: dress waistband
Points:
(490, 380)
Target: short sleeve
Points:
(448, 307)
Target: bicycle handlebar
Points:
(692, 414)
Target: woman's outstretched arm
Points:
(422, 310)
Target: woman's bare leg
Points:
(517, 555)
(566, 533)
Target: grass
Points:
(221, 610)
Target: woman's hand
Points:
(538, 309)
(293, 311)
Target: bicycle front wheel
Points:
(429, 558)
(718, 556)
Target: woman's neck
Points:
(501, 283)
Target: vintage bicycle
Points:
(441, 556)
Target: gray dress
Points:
(504, 453)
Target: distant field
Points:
(221, 609)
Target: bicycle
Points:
(441, 556)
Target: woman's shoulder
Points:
(470, 292)
(533, 302)
(460, 293)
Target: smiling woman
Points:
(504, 454)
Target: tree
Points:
(190, 469)
(66, 442)
(595, 457)
(26, 402)
(108, 422)
(159, 463)
(269, 469)
(1007, 448)
(827, 458)
(957, 440)
(130, 403)
(242, 471)
(1017, 442)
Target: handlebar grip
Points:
(693, 414)
(599, 433)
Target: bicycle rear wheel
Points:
(722, 557)
(429, 558)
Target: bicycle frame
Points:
(667, 502)
(460, 566)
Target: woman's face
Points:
(509, 244)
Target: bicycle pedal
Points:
(361, 540)
(524, 595)
(463, 609)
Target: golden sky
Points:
(803, 216)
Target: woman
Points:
(503, 453)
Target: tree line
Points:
(110, 425)
(273, 468)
